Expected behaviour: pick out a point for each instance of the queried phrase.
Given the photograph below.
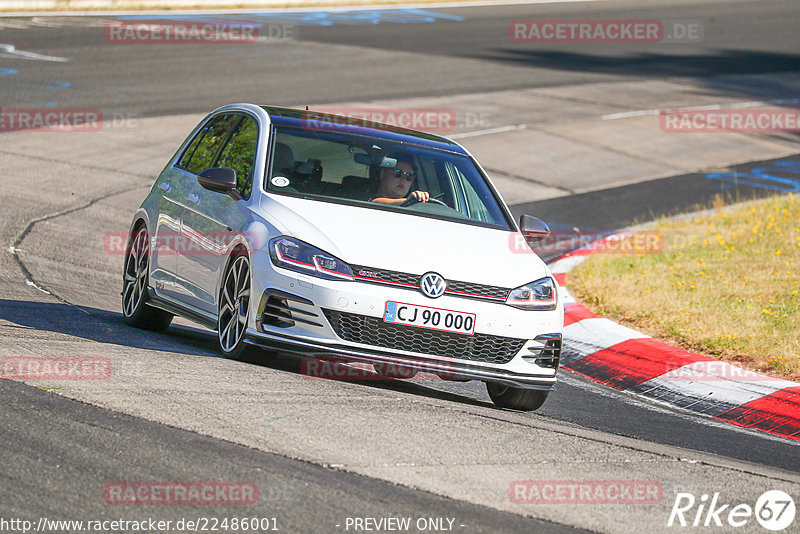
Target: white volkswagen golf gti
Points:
(324, 236)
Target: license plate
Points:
(426, 317)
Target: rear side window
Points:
(204, 147)
(239, 154)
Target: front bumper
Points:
(450, 370)
(308, 316)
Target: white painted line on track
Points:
(10, 51)
(737, 105)
(644, 112)
(501, 129)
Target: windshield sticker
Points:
(279, 181)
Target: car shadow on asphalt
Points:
(423, 385)
(103, 326)
(703, 67)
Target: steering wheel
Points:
(410, 201)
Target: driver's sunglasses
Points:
(407, 175)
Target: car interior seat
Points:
(309, 175)
(356, 187)
(284, 161)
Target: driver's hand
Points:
(420, 196)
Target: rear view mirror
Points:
(374, 159)
(363, 159)
(533, 229)
(389, 163)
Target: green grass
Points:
(726, 284)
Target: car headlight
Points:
(301, 257)
(538, 295)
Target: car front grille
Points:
(373, 331)
(499, 293)
(411, 281)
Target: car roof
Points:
(298, 118)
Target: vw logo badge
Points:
(432, 285)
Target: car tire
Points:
(516, 398)
(234, 311)
(136, 281)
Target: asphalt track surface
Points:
(457, 50)
(51, 443)
(632, 204)
(303, 497)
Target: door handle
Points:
(193, 199)
(164, 186)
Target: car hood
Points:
(412, 244)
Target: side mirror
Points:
(533, 229)
(219, 180)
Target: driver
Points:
(396, 181)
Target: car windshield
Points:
(380, 173)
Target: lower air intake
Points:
(373, 331)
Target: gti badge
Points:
(432, 285)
